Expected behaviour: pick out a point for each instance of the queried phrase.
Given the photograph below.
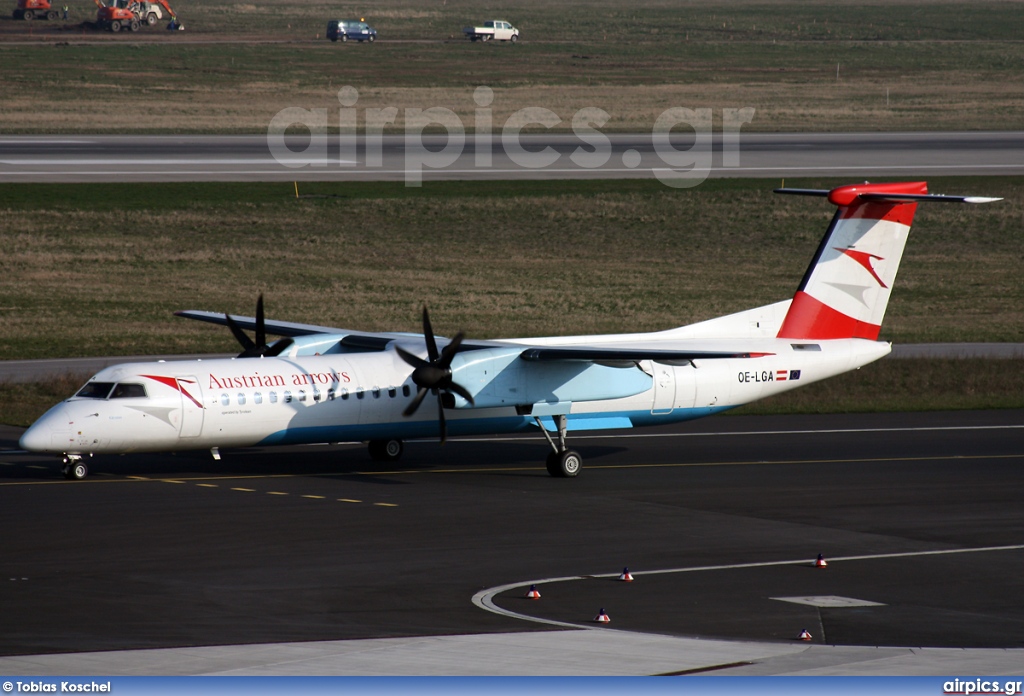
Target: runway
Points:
(423, 568)
(681, 158)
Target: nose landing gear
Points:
(74, 468)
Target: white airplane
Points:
(321, 384)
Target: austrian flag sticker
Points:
(784, 375)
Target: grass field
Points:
(814, 65)
(99, 269)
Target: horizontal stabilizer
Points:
(871, 197)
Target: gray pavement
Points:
(603, 652)
(312, 560)
(94, 158)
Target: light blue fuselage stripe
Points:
(473, 426)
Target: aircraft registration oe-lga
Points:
(320, 384)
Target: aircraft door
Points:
(664, 389)
(192, 410)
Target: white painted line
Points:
(534, 173)
(19, 141)
(484, 599)
(43, 162)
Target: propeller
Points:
(259, 347)
(434, 374)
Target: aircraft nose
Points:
(48, 434)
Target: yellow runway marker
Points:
(208, 485)
(245, 490)
(348, 500)
(386, 504)
(276, 493)
(315, 497)
(170, 481)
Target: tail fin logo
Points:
(864, 259)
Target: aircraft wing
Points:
(627, 355)
(358, 340)
(352, 339)
(277, 328)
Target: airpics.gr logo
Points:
(982, 686)
(435, 139)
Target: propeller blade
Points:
(448, 354)
(413, 360)
(440, 419)
(435, 373)
(428, 333)
(261, 332)
(411, 408)
(461, 391)
(279, 347)
(240, 336)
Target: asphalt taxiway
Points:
(314, 560)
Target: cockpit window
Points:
(128, 391)
(95, 390)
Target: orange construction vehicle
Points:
(116, 15)
(35, 9)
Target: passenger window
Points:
(316, 394)
(257, 398)
(376, 392)
(392, 392)
(330, 394)
(225, 400)
(302, 395)
(405, 390)
(287, 397)
(359, 393)
(273, 397)
(241, 399)
(344, 394)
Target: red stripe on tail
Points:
(808, 318)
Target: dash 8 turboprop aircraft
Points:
(320, 384)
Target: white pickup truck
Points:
(498, 30)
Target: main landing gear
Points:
(386, 450)
(74, 468)
(562, 462)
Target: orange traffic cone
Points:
(805, 635)
(626, 576)
(601, 617)
(533, 593)
(820, 562)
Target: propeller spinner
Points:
(434, 374)
(259, 347)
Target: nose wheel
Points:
(562, 462)
(74, 468)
